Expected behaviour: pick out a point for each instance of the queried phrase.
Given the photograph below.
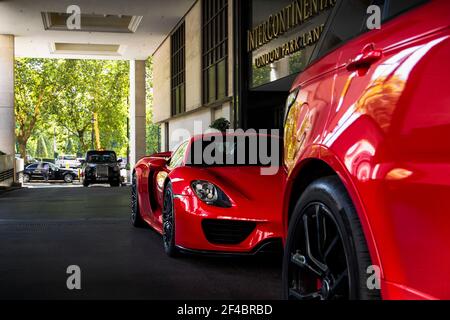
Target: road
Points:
(43, 230)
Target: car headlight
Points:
(210, 194)
(290, 102)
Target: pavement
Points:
(49, 227)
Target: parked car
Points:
(215, 208)
(35, 172)
(368, 159)
(100, 167)
(68, 162)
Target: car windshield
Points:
(235, 151)
(70, 158)
(101, 157)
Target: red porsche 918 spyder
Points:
(226, 204)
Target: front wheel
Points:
(68, 178)
(169, 223)
(136, 218)
(26, 178)
(326, 255)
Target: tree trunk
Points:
(82, 141)
(23, 149)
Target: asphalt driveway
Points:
(45, 230)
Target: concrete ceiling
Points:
(23, 19)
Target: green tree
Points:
(59, 98)
(94, 87)
(41, 148)
(35, 85)
(152, 129)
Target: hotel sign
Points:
(289, 18)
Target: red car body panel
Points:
(385, 131)
(251, 194)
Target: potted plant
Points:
(221, 125)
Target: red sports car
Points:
(367, 152)
(227, 206)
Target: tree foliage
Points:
(153, 130)
(59, 97)
(35, 85)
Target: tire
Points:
(26, 178)
(114, 184)
(335, 266)
(68, 178)
(85, 183)
(168, 232)
(136, 218)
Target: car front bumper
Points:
(191, 234)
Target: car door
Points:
(54, 173)
(30, 170)
(37, 172)
(383, 75)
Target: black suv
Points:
(101, 167)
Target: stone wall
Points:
(6, 170)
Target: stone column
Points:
(137, 111)
(7, 122)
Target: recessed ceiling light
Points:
(86, 49)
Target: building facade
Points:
(234, 59)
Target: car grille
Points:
(227, 232)
(102, 171)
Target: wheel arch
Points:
(311, 169)
(305, 173)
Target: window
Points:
(398, 7)
(350, 20)
(166, 136)
(215, 50)
(178, 74)
(32, 167)
(178, 155)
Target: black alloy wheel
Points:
(136, 218)
(326, 256)
(169, 222)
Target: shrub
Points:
(221, 124)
